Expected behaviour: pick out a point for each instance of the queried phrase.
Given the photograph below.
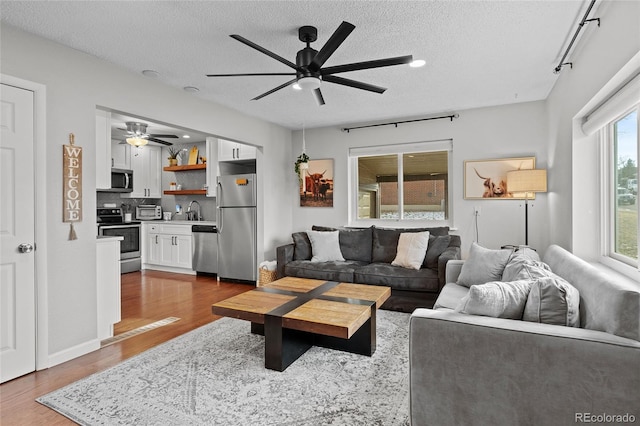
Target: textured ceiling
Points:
(478, 53)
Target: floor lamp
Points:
(527, 181)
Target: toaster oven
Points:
(148, 212)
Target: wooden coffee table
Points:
(296, 313)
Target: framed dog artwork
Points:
(487, 179)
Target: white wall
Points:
(76, 83)
(574, 204)
(504, 131)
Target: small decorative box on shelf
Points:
(187, 192)
(185, 167)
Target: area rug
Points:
(215, 375)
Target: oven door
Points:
(130, 246)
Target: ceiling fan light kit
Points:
(137, 135)
(137, 141)
(309, 72)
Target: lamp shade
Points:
(533, 180)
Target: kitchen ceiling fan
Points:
(309, 73)
(137, 132)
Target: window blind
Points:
(612, 108)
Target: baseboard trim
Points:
(74, 352)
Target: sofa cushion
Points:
(496, 299)
(385, 241)
(355, 244)
(301, 246)
(325, 246)
(450, 296)
(412, 248)
(483, 266)
(397, 278)
(437, 245)
(328, 271)
(552, 300)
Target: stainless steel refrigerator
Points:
(237, 227)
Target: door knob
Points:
(25, 248)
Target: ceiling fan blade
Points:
(331, 45)
(353, 83)
(282, 86)
(319, 96)
(163, 136)
(251, 74)
(399, 60)
(265, 51)
(150, 139)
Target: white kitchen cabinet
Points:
(146, 164)
(169, 246)
(120, 155)
(175, 250)
(234, 151)
(103, 149)
(108, 285)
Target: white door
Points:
(17, 234)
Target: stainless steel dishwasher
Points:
(205, 248)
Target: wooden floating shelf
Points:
(187, 191)
(185, 167)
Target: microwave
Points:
(148, 212)
(121, 180)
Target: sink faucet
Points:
(191, 215)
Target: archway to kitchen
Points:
(167, 287)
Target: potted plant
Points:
(302, 163)
(173, 156)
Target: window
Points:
(408, 182)
(622, 136)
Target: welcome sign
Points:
(71, 184)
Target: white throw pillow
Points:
(412, 248)
(325, 246)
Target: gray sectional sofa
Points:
(499, 371)
(368, 253)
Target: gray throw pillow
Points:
(437, 244)
(301, 246)
(483, 266)
(522, 267)
(552, 300)
(355, 244)
(496, 299)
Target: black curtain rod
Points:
(395, 123)
(562, 63)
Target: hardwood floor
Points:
(147, 297)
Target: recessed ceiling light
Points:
(417, 63)
(186, 136)
(190, 89)
(150, 73)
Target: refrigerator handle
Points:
(219, 221)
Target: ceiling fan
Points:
(137, 133)
(309, 73)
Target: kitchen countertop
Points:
(180, 222)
